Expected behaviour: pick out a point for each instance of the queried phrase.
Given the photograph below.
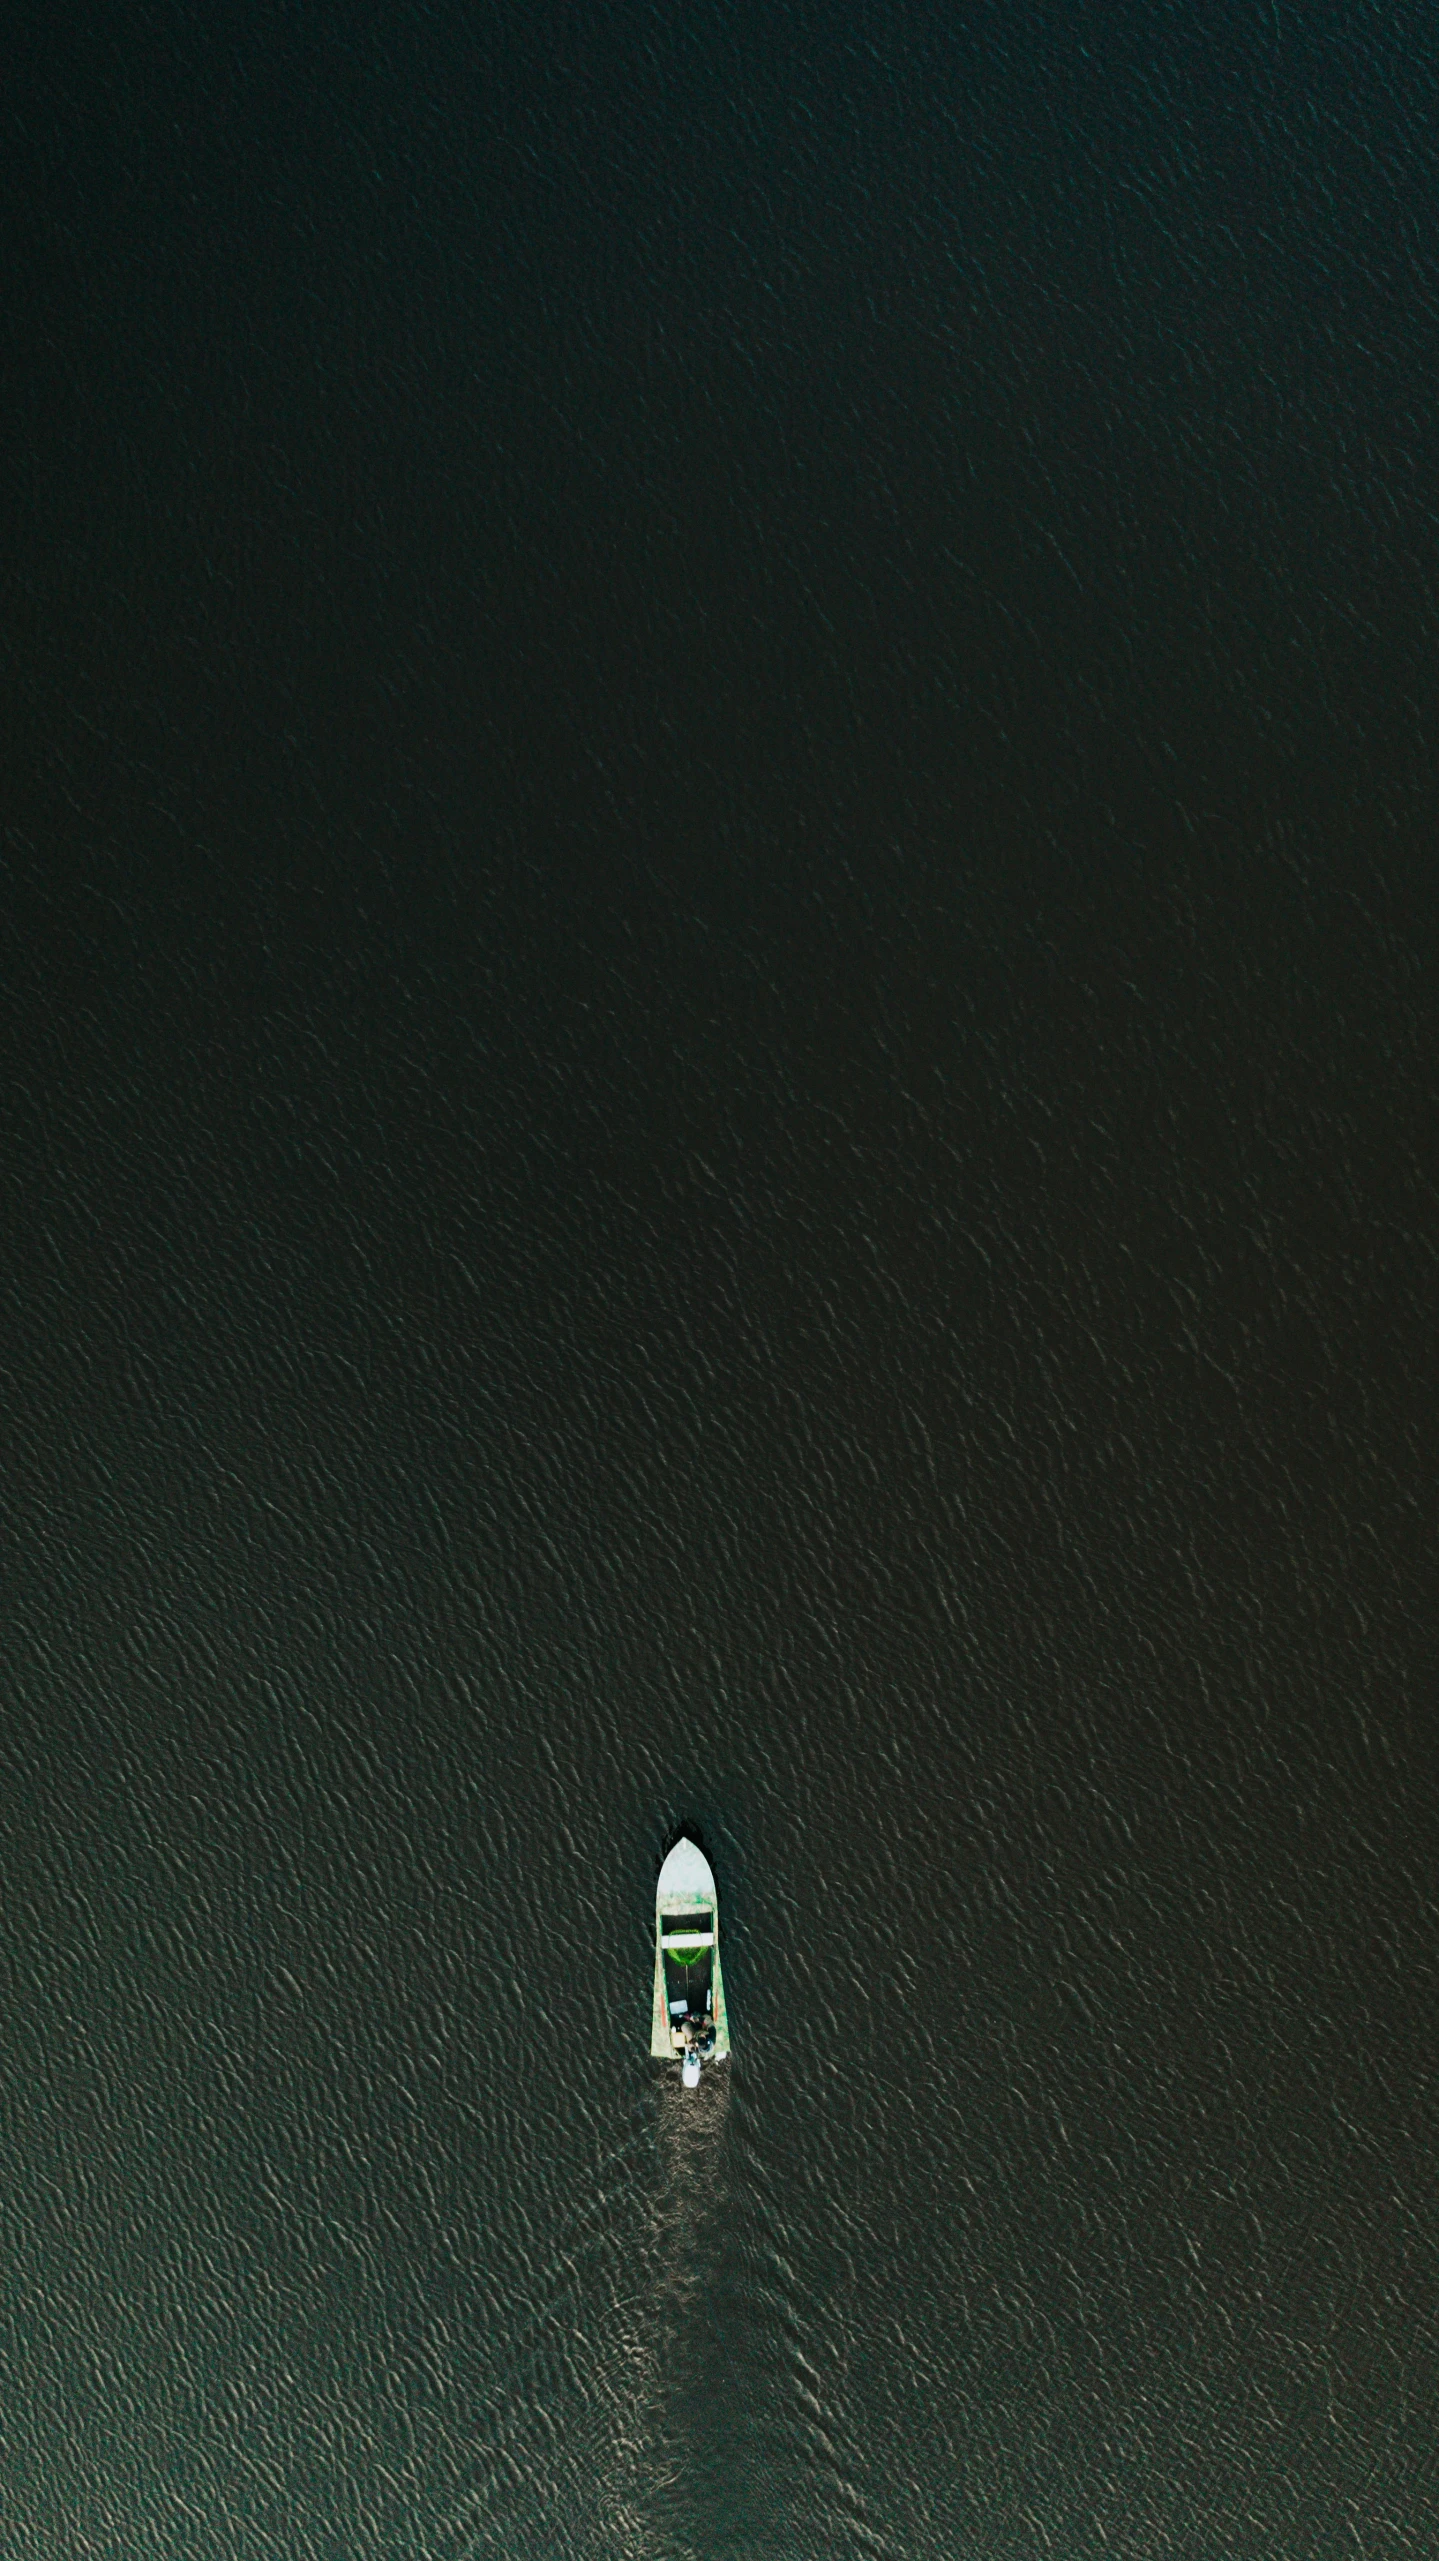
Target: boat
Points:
(689, 2021)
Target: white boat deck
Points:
(686, 1885)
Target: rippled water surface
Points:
(720, 1060)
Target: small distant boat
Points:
(689, 2008)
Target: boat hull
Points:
(686, 1887)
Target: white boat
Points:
(689, 2022)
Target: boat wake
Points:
(670, 2487)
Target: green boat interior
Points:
(689, 1976)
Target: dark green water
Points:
(719, 1111)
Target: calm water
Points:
(720, 914)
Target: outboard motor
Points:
(699, 2044)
